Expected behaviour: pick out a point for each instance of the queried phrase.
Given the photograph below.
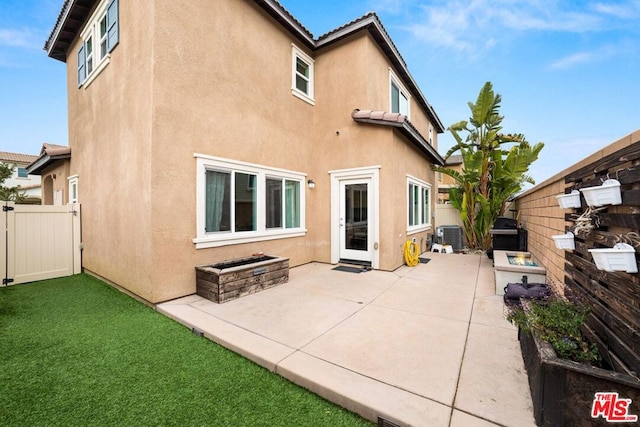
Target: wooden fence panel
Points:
(614, 297)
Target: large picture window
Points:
(240, 202)
(418, 205)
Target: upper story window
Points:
(430, 134)
(22, 173)
(99, 38)
(240, 202)
(302, 75)
(399, 96)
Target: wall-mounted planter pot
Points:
(564, 241)
(606, 194)
(571, 200)
(622, 257)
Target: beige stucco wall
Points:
(178, 88)
(538, 211)
(54, 178)
(110, 138)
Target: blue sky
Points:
(568, 71)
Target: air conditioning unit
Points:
(450, 235)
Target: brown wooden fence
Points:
(614, 297)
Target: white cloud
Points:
(597, 54)
(571, 60)
(476, 25)
(622, 10)
(22, 38)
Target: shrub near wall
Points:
(614, 297)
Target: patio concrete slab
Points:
(422, 346)
(417, 353)
(359, 393)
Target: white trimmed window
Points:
(241, 202)
(99, 38)
(22, 173)
(302, 75)
(73, 189)
(398, 95)
(418, 205)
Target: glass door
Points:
(354, 220)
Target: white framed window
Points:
(22, 173)
(399, 96)
(302, 75)
(430, 134)
(73, 188)
(240, 202)
(99, 38)
(418, 205)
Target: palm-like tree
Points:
(491, 174)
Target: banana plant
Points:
(491, 173)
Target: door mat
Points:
(424, 260)
(348, 269)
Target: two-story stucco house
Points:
(29, 184)
(208, 130)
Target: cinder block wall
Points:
(538, 211)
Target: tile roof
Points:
(16, 157)
(403, 125)
(49, 154)
(455, 159)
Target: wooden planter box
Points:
(228, 280)
(563, 391)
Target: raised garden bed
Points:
(227, 280)
(563, 391)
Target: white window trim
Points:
(395, 80)
(93, 30)
(367, 172)
(210, 240)
(297, 53)
(73, 180)
(412, 229)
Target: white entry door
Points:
(356, 229)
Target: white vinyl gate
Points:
(39, 242)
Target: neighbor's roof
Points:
(49, 154)
(75, 12)
(454, 159)
(400, 122)
(7, 157)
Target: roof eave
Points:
(280, 14)
(372, 23)
(70, 20)
(45, 161)
(412, 134)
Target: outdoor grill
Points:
(507, 236)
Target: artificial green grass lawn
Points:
(77, 352)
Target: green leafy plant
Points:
(495, 167)
(9, 193)
(557, 321)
